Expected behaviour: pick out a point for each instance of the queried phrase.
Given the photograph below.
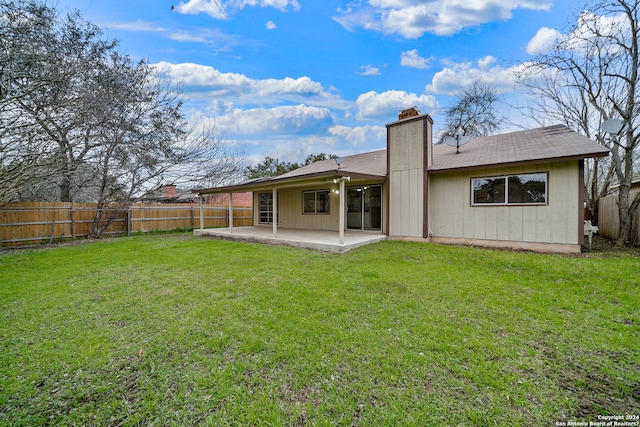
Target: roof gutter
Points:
(294, 181)
(517, 163)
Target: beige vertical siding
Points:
(290, 207)
(406, 179)
(451, 214)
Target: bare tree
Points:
(69, 109)
(103, 127)
(23, 157)
(475, 113)
(145, 141)
(592, 75)
(554, 99)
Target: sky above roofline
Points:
(289, 78)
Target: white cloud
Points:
(138, 25)
(211, 37)
(369, 70)
(486, 62)
(543, 41)
(203, 78)
(288, 86)
(452, 79)
(413, 18)
(588, 27)
(412, 59)
(360, 135)
(277, 121)
(220, 9)
(270, 25)
(213, 8)
(387, 105)
(613, 28)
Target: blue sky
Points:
(288, 78)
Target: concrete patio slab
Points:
(327, 241)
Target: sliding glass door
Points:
(364, 208)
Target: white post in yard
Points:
(275, 213)
(201, 199)
(341, 222)
(230, 212)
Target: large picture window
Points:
(523, 189)
(315, 202)
(265, 208)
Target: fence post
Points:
(129, 221)
(72, 217)
(53, 226)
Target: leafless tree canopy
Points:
(80, 121)
(475, 113)
(591, 75)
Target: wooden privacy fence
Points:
(36, 222)
(609, 220)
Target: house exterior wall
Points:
(290, 207)
(407, 145)
(452, 215)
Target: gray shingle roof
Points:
(551, 143)
(373, 163)
(529, 146)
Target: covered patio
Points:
(328, 241)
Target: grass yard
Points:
(175, 330)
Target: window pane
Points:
(529, 188)
(309, 202)
(265, 208)
(487, 191)
(322, 202)
(315, 202)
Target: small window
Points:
(315, 202)
(524, 189)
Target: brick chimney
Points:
(409, 112)
(169, 191)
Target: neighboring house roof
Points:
(541, 145)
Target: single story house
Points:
(520, 190)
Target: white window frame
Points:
(315, 204)
(268, 212)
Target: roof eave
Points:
(293, 181)
(520, 163)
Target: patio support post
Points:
(341, 222)
(201, 200)
(230, 212)
(275, 212)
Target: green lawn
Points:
(175, 330)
